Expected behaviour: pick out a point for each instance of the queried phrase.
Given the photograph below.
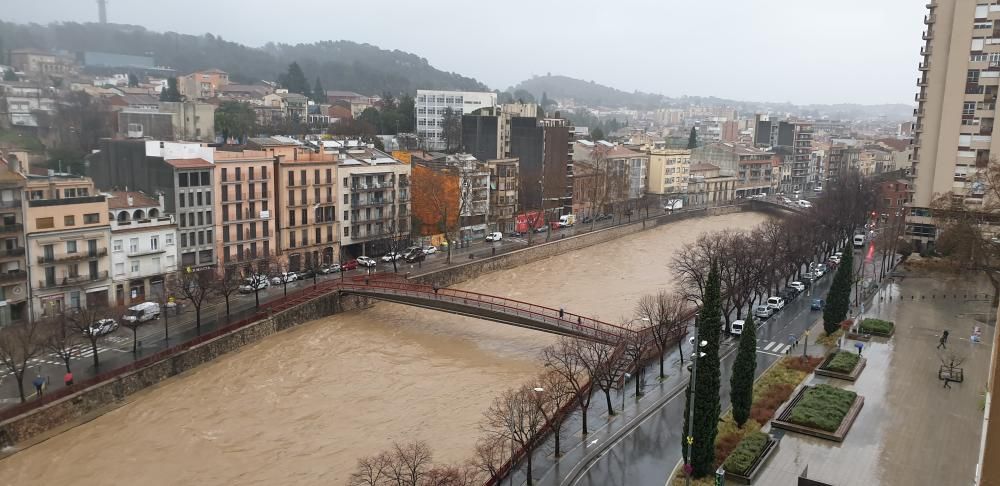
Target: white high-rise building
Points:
(430, 108)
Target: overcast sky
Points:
(803, 51)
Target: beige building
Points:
(669, 170)
(143, 246)
(203, 84)
(953, 135)
(375, 198)
(13, 268)
(709, 185)
(307, 208)
(503, 193)
(67, 233)
(244, 205)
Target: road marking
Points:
(785, 350)
(769, 345)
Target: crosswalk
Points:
(78, 352)
(773, 347)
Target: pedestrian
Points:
(435, 287)
(39, 382)
(944, 340)
(860, 347)
(494, 251)
(579, 320)
(68, 378)
(561, 312)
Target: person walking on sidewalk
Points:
(944, 340)
(39, 383)
(68, 378)
(562, 312)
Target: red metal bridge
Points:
(482, 306)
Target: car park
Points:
(817, 304)
(391, 257)
(763, 311)
(254, 283)
(284, 277)
(799, 286)
(736, 327)
(366, 261)
(101, 327)
(349, 265)
(776, 303)
(494, 236)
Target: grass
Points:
(843, 362)
(823, 407)
(877, 327)
(746, 453)
(771, 390)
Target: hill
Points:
(592, 94)
(341, 65)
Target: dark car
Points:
(587, 219)
(788, 294)
(308, 273)
(604, 217)
(415, 255)
(817, 304)
(349, 265)
(517, 234)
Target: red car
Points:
(349, 265)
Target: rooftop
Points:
(739, 149)
(189, 163)
(344, 94)
(131, 199)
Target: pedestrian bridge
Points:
(482, 306)
(772, 207)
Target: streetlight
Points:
(627, 376)
(694, 372)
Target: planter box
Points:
(859, 337)
(852, 376)
(781, 421)
(758, 464)
(884, 335)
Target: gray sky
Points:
(803, 51)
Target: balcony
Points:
(372, 218)
(918, 112)
(358, 235)
(924, 66)
(11, 252)
(11, 228)
(364, 202)
(73, 280)
(15, 203)
(930, 19)
(13, 276)
(374, 186)
(69, 257)
(927, 35)
(922, 82)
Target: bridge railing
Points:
(598, 330)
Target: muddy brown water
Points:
(300, 407)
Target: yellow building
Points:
(669, 170)
(67, 232)
(13, 267)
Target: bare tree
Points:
(133, 325)
(372, 470)
(411, 463)
(167, 303)
(84, 320)
(556, 393)
(194, 287)
(636, 341)
(515, 414)
(490, 453)
(667, 313)
(19, 344)
(453, 475)
(563, 358)
(59, 338)
(604, 367)
(255, 270)
(227, 283)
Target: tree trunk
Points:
(135, 337)
(93, 347)
(663, 354)
(65, 359)
(583, 412)
(227, 305)
(528, 453)
(20, 386)
(256, 293)
(166, 325)
(197, 318)
(556, 430)
(607, 398)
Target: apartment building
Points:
(471, 200)
(203, 84)
(375, 195)
(143, 246)
(67, 233)
(752, 167)
(503, 193)
(953, 135)
(25, 100)
(841, 159)
(307, 208)
(669, 171)
(245, 184)
(431, 105)
(13, 267)
(710, 185)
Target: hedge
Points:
(843, 362)
(876, 326)
(823, 407)
(740, 460)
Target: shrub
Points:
(805, 364)
(768, 402)
(823, 407)
(746, 453)
(842, 362)
(876, 326)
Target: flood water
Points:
(302, 406)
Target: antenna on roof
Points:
(102, 10)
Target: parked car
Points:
(254, 283)
(146, 311)
(542, 229)
(587, 219)
(819, 271)
(788, 294)
(736, 327)
(416, 256)
(776, 303)
(817, 304)
(804, 204)
(763, 311)
(835, 259)
(430, 250)
(391, 256)
(283, 278)
(786, 200)
(306, 274)
(348, 265)
(494, 236)
(799, 286)
(102, 327)
(808, 276)
(603, 217)
(366, 261)
(331, 268)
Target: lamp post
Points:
(695, 354)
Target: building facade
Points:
(669, 171)
(503, 193)
(309, 233)
(245, 185)
(13, 266)
(752, 167)
(431, 105)
(375, 195)
(67, 233)
(203, 84)
(143, 247)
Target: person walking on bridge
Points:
(944, 340)
(562, 312)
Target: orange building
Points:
(245, 184)
(203, 84)
(307, 209)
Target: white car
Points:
(388, 257)
(798, 286)
(494, 236)
(102, 327)
(776, 303)
(284, 277)
(254, 283)
(804, 204)
(430, 250)
(763, 311)
(809, 276)
(786, 200)
(736, 327)
(366, 261)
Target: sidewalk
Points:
(911, 430)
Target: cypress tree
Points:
(741, 381)
(706, 392)
(693, 139)
(838, 300)
(318, 93)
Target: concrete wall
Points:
(75, 407)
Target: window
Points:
(182, 179)
(302, 177)
(74, 300)
(972, 76)
(156, 264)
(969, 108)
(205, 256)
(201, 218)
(134, 266)
(190, 199)
(201, 237)
(305, 238)
(208, 198)
(119, 269)
(345, 182)
(209, 236)
(168, 239)
(92, 218)
(345, 215)
(44, 223)
(305, 216)
(69, 220)
(263, 172)
(316, 194)
(154, 242)
(977, 57)
(291, 217)
(225, 193)
(291, 178)
(291, 198)
(345, 198)
(239, 176)
(291, 239)
(184, 239)
(133, 245)
(329, 176)
(347, 231)
(223, 175)
(319, 234)
(250, 174)
(182, 201)
(200, 203)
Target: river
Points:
(300, 407)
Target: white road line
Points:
(785, 350)
(768, 347)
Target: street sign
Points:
(690, 440)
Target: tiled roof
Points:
(189, 163)
(701, 167)
(119, 200)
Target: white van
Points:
(736, 327)
(859, 241)
(146, 311)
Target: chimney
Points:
(130, 200)
(159, 197)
